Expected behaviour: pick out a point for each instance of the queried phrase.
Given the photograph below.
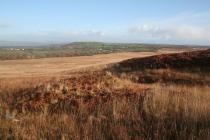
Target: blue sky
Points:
(135, 21)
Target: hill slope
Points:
(186, 60)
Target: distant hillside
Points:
(77, 49)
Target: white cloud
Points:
(190, 33)
(72, 33)
(148, 31)
(191, 28)
(64, 36)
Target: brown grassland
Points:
(155, 97)
(61, 65)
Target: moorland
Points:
(143, 95)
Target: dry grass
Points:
(126, 110)
(179, 112)
(192, 102)
(59, 66)
(103, 105)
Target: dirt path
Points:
(57, 66)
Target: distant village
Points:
(14, 49)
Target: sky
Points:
(125, 21)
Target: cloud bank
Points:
(188, 28)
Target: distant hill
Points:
(29, 50)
